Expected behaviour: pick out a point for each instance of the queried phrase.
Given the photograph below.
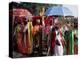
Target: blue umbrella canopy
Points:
(58, 10)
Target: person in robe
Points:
(67, 32)
(37, 38)
(58, 44)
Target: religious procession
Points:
(39, 29)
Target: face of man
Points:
(56, 24)
(38, 21)
(56, 27)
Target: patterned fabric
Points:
(58, 48)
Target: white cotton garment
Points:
(56, 20)
(66, 28)
(58, 48)
(25, 28)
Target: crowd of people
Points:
(44, 35)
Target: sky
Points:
(73, 9)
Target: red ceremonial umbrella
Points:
(21, 12)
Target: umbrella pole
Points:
(63, 20)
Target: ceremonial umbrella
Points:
(59, 11)
(21, 12)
